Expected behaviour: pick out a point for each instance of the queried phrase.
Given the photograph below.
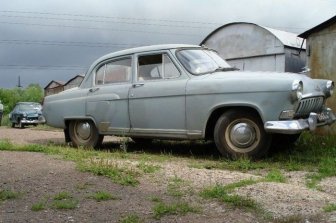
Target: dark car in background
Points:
(26, 113)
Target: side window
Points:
(158, 66)
(114, 72)
(170, 70)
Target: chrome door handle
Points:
(93, 90)
(138, 85)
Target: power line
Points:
(95, 28)
(67, 43)
(107, 17)
(108, 21)
(209, 24)
(40, 67)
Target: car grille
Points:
(308, 105)
(32, 118)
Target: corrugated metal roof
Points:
(318, 27)
(286, 38)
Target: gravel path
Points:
(39, 177)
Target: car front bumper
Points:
(314, 120)
(40, 120)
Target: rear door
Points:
(107, 100)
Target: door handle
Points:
(138, 85)
(93, 90)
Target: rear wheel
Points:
(84, 133)
(241, 134)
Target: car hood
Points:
(236, 81)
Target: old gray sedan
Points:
(188, 92)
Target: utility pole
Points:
(19, 82)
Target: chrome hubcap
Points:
(83, 130)
(242, 135)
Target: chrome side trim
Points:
(154, 133)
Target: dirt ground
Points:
(39, 177)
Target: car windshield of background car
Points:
(199, 61)
(27, 107)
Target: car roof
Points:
(143, 49)
(130, 51)
(27, 103)
(148, 48)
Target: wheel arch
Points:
(218, 111)
(67, 120)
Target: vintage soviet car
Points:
(26, 113)
(188, 92)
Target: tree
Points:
(9, 97)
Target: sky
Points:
(45, 40)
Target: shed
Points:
(53, 87)
(321, 54)
(74, 82)
(249, 46)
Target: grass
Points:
(181, 208)
(62, 196)
(175, 187)
(8, 195)
(65, 204)
(87, 160)
(131, 218)
(5, 120)
(275, 176)
(312, 153)
(155, 199)
(148, 168)
(330, 207)
(224, 194)
(39, 206)
(315, 154)
(64, 200)
(120, 175)
(102, 196)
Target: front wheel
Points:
(84, 133)
(21, 125)
(241, 134)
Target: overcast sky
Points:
(44, 40)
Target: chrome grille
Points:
(308, 105)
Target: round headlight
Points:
(330, 88)
(297, 89)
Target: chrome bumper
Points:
(300, 125)
(40, 120)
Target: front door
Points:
(157, 97)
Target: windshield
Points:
(202, 61)
(29, 107)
